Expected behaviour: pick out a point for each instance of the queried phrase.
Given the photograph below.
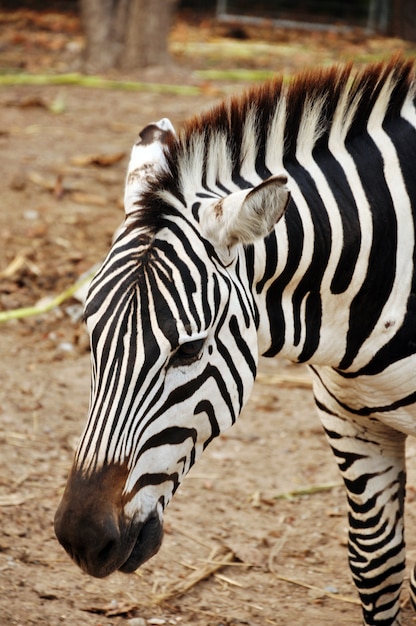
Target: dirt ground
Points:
(63, 157)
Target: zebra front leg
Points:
(371, 459)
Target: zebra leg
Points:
(371, 458)
(413, 587)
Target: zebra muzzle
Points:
(94, 531)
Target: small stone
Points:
(45, 593)
(75, 312)
(65, 346)
(31, 215)
(136, 621)
(18, 182)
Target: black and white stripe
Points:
(181, 308)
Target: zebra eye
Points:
(188, 352)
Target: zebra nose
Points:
(94, 543)
(101, 544)
(92, 526)
(90, 522)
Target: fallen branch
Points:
(306, 491)
(331, 594)
(44, 307)
(96, 82)
(195, 577)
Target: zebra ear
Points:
(147, 158)
(246, 215)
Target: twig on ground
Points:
(306, 491)
(228, 580)
(195, 577)
(96, 82)
(273, 570)
(278, 546)
(45, 306)
(335, 596)
(14, 266)
(192, 537)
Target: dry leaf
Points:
(103, 160)
(14, 499)
(113, 609)
(59, 190)
(246, 553)
(41, 181)
(285, 380)
(28, 102)
(88, 198)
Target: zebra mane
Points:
(271, 125)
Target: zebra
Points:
(280, 222)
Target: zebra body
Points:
(200, 281)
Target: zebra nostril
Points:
(105, 554)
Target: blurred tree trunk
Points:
(379, 15)
(126, 34)
(404, 19)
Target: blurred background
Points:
(78, 80)
(134, 34)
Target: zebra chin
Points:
(94, 530)
(149, 540)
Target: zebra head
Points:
(174, 331)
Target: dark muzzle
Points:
(91, 525)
